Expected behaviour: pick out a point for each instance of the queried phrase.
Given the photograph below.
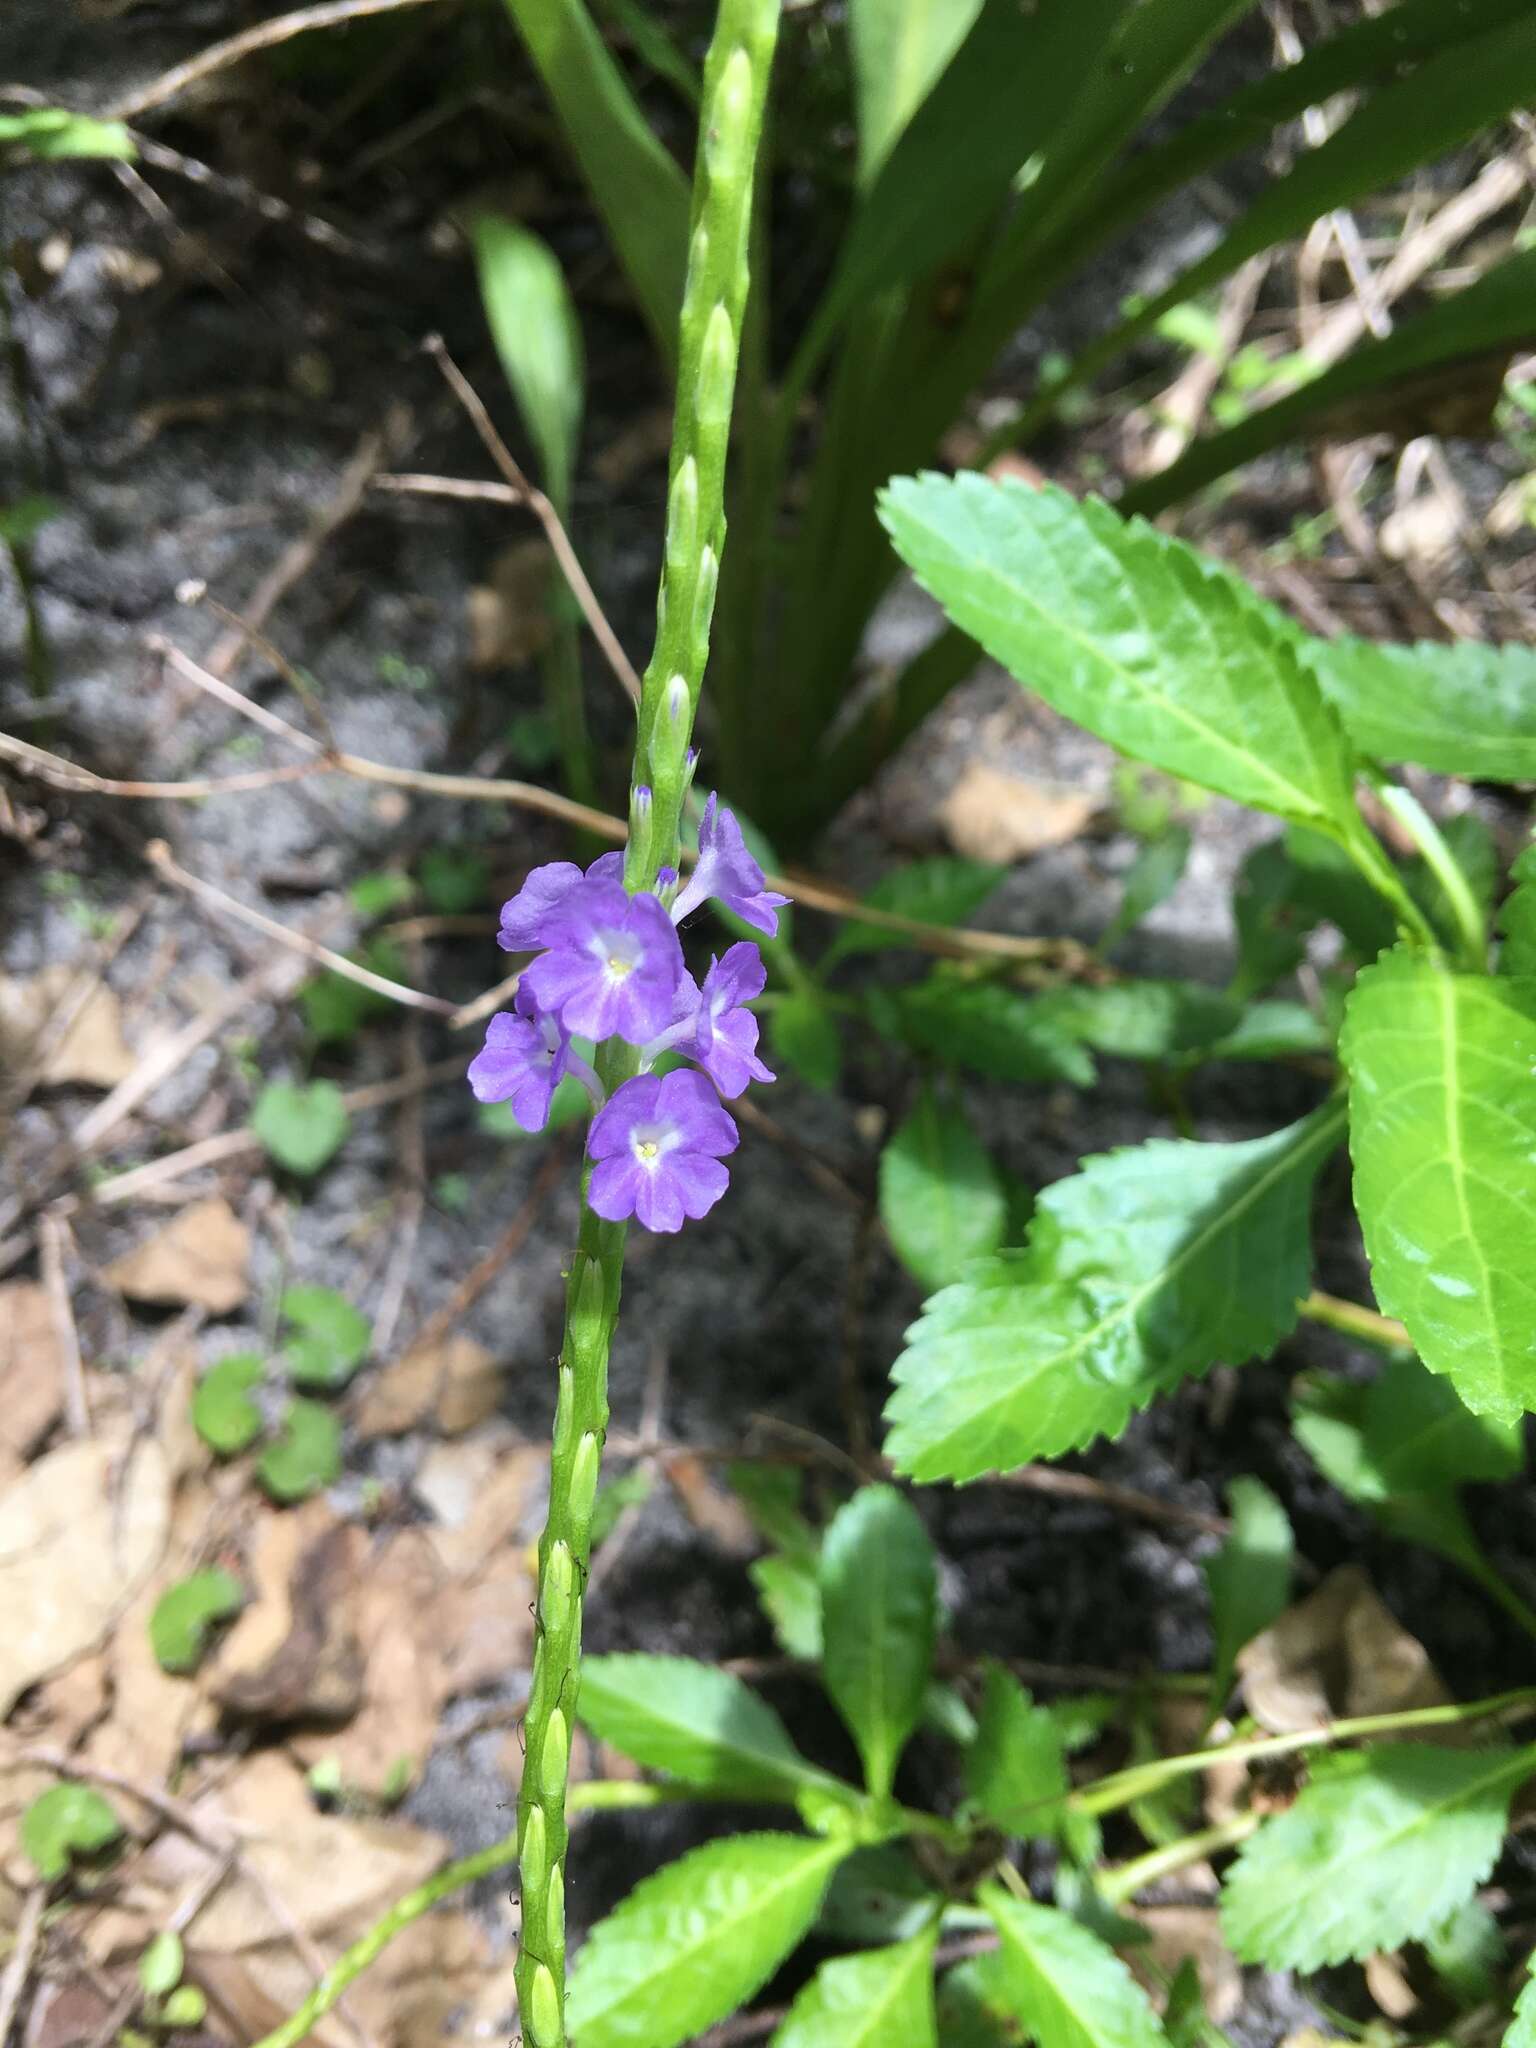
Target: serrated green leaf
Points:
(879, 1595)
(1517, 920)
(1466, 1952)
(874, 2000)
(942, 890)
(333, 1337)
(1443, 1136)
(899, 49)
(1015, 1769)
(694, 1721)
(1419, 1437)
(1069, 1988)
(223, 1413)
(185, 1614)
(1145, 1266)
(968, 2011)
(771, 1496)
(803, 1035)
(306, 1456)
(301, 1128)
(64, 1822)
(790, 1595)
(533, 323)
(1522, 2028)
(1249, 1579)
(1143, 1019)
(693, 1942)
(877, 1894)
(1150, 880)
(987, 1027)
(1375, 1852)
(1462, 709)
(941, 1199)
(1272, 1029)
(1131, 634)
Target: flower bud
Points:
(533, 1850)
(565, 1409)
(556, 1585)
(704, 607)
(583, 1489)
(638, 854)
(554, 1757)
(716, 378)
(726, 154)
(554, 1932)
(683, 519)
(543, 2014)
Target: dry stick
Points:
(1083, 1486)
(19, 1966)
(77, 1411)
(543, 511)
(191, 1903)
(528, 497)
(61, 774)
(1181, 407)
(264, 36)
(298, 558)
(159, 856)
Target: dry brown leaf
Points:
(294, 1654)
(509, 615)
(91, 1052)
(482, 1521)
(453, 1386)
(487, 1627)
(400, 1625)
(1194, 1932)
(31, 1371)
(995, 817)
(1338, 1652)
(65, 1707)
(198, 1259)
(710, 1508)
(330, 1875)
(1387, 1982)
(80, 1532)
(63, 2014)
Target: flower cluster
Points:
(610, 965)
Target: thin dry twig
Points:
(161, 859)
(1049, 1479)
(61, 774)
(265, 35)
(542, 510)
(66, 1338)
(18, 1967)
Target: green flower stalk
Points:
(714, 300)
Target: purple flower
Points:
(524, 918)
(657, 1147)
(524, 1059)
(726, 870)
(724, 1038)
(613, 963)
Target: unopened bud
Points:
(584, 1478)
(730, 111)
(559, 1579)
(554, 1933)
(533, 1850)
(555, 1757)
(543, 2014)
(683, 518)
(717, 374)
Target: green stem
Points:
(1120, 1788)
(1353, 1319)
(1124, 1880)
(1471, 927)
(714, 301)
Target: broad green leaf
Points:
(1472, 850)
(874, 2000)
(899, 49)
(969, 2016)
(803, 1035)
(184, 1617)
(1442, 1114)
(1146, 1266)
(1465, 709)
(1133, 635)
(1325, 884)
(1150, 880)
(941, 1198)
(695, 1722)
(1143, 1020)
(879, 1597)
(1273, 1030)
(1517, 919)
(985, 1026)
(790, 1596)
(1271, 929)
(45, 133)
(1015, 1769)
(641, 194)
(1249, 1579)
(696, 1940)
(533, 323)
(1466, 1952)
(1451, 339)
(64, 1822)
(878, 1894)
(1069, 1988)
(1377, 1850)
(333, 1337)
(223, 1413)
(301, 1128)
(942, 890)
(771, 1496)
(306, 1455)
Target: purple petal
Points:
(730, 1059)
(615, 1187)
(554, 978)
(631, 1103)
(524, 916)
(761, 910)
(659, 1203)
(608, 867)
(737, 977)
(699, 1182)
(688, 1103)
